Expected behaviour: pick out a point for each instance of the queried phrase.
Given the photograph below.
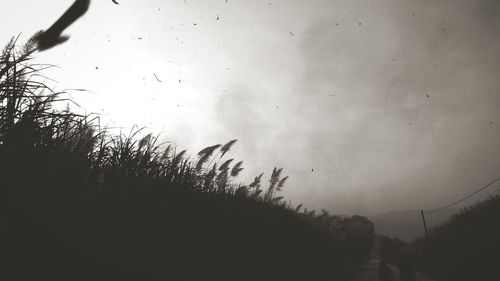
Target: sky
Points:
(369, 106)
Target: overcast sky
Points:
(369, 105)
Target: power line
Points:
(464, 198)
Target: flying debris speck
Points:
(114, 1)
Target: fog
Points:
(369, 106)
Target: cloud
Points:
(392, 105)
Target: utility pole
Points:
(425, 225)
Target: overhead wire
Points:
(452, 204)
(464, 198)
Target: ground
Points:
(369, 271)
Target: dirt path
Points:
(369, 271)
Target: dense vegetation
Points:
(391, 249)
(78, 203)
(467, 247)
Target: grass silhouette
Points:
(78, 203)
(466, 247)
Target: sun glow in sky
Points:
(367, 105)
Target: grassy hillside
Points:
(466, 247)
(77, 203)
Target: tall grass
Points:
(78, 203)
(466, 247)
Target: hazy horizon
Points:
(369, 106)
